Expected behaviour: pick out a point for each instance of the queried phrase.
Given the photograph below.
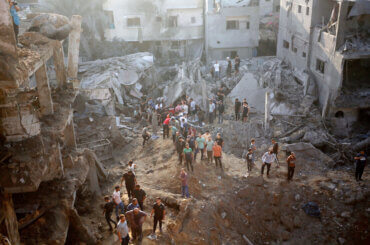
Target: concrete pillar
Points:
(69, 136)
(267, 111)
(44, 91)
(74, 48)
(60, 70)
(10, 218)
(340, 30)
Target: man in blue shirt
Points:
(13, 11)
(360, 165)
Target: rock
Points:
(53, 26)
(223, 215)
(317, 139)
(297, 197)
(341, 240)
(345, 214)
(327, 186)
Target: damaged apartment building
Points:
(231, 28)
(168, 29)
(327, 42)
(41, 166)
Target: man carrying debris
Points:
(217, 154)
(360, 165)
(145, 134)
(275, 150)
(291, 165)
(166, 127)
(180, 145)
(122, 230)
(159, 212)
(237, 107)
(268, 158)
(120, 207)
(184, 183)
(108, 210)
(130, 182)
(188, 155)
(134, 204)
(140, 195)
(136, 219)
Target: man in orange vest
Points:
(291, 165)
(217, 153)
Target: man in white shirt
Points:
(186, 109)
(122, 230)
(212, 108)
(268, 158)
(118, 202)
(216, 67)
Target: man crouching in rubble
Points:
(146, 135)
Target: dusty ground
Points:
(227, 205)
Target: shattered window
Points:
(133, 22)
(307, 10)
(110, 19)
(299, 9)
(172, 21)
(286, 44)
(320, 66)
(295, 50)
(232, 25)
(304, 54)
(248, 24)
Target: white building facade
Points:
(231, 28)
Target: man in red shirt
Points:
(166, 128)
(217, 153)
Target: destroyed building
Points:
(268, 7)
(329, 41)
(231, 28)
(170, 28)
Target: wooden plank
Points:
(10, 217)
(30, 219)
(60, 69)
(74, 48)
(44, 91)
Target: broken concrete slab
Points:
(248, 88)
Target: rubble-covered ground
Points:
(226, 207)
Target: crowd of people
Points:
(191, 146)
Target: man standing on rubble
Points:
(229, 67)
(217, 154)
(237, 64)
(268, 158)
(245, 111)
(200, 142)
(122, 230)
(184, 183)
(174, 131)
(216, 68)
(140, 195)
(291, 165)
(193, 108)
(134, 204)
(120, 207)
(130, 182)
(188, 155)
(237, 107)
(360, 165)
(209, 150)
(201, 115)
(16, 22)
(166, 127)
(108, 210)
(211, 111)
(221, 110)
(136, 219)
(159, 212)
(275, 150)
(180, 145)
